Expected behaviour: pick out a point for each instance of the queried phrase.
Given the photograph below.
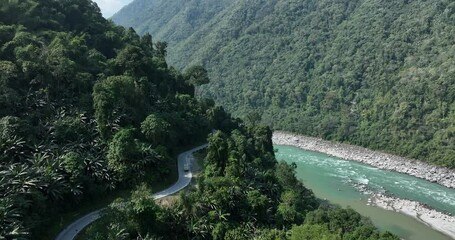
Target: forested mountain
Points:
(380, 74)
(87, 107)
(171, 20)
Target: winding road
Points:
(70, 232)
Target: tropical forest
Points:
(176, 119)
(379, 74)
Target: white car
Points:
(186, 167)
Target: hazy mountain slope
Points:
(179, 20)
(375, 73)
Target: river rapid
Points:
(353, 184)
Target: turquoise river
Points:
(333, 179)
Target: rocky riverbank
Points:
(442, 222)
(437, 220)
(440, 175)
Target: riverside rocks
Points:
(440, 175)
(437, 220)
(442, 222)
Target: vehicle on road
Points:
(186, 167)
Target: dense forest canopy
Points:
(88, 107)
(380, 74)
(85, 107)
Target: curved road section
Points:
(74, 228)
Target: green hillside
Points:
(177, 22)
(89, 110)
(380, 74)
(86, 108)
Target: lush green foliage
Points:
(79, 102)
(87, 107)
(242, 193)
(379, 74)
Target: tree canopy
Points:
(371, 73)
(87, 107)
(77, 100)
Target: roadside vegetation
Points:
(88, 108)
(242, 193)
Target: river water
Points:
(334, 179)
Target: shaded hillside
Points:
(380, 74)
(86, 107)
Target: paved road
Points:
(74, 228)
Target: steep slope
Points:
(379, 74)
(86, 107)
(177, 22)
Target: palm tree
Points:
(13, 150)
(11, 220)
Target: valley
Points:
(324, 119)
